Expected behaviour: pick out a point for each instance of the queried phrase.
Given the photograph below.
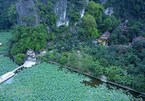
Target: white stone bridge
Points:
(10, 74)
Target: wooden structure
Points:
(103, 40)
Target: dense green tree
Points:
(25, 38)
(90, 26)
(46, 13)
(118, 36)
(128, 9)
(74, 16)
(95, 10)
(113, 71)
(135, 29)
(139, 48)
(20, 58)
(73, 10)
(110, 23)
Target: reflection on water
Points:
(9, 81)
(92, 82)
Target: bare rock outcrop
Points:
(27, 13)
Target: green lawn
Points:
(45, 82)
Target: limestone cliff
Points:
(27, 13)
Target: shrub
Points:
(63, 60)
(113, 72)
(20, 58)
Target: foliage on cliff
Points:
(128, 8)
(7, 13)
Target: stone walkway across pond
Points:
(10, 74)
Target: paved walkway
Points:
(10, 74)
(6, 76)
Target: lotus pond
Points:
(5, 40)
(46, 82)
(6, 64)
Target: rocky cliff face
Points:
(82, 12)
(103, 1)
(27, 14)
(62, 8)
(60, 11)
